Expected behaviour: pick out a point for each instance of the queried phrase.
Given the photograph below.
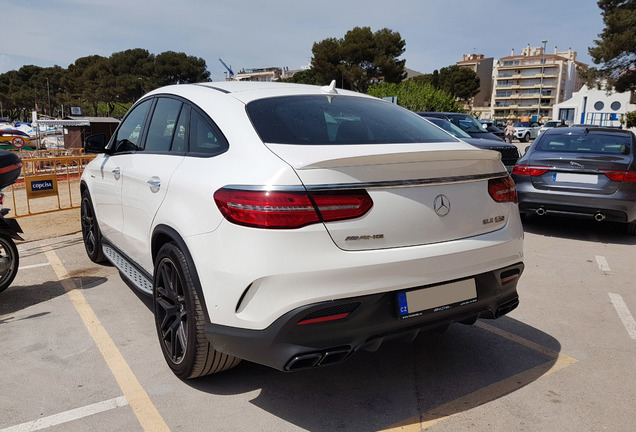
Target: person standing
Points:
(509, 131)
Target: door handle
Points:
(117, 173)
(154, 183)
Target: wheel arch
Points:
(163, 234)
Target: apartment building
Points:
(260, 74)
(529, 84)
(482, 67)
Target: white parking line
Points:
(68, 416)
(602, 263)
(624, 314)
(34, 266)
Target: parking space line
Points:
(518, 339)
(624, 314)
(479, 397)
(34, 266)
(137, 398)
(602, 264)
(68, 416)
(490, 392)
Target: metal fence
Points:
(49, 182)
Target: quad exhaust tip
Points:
(315, 359)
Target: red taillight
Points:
(289, 209)
(530, 170)
(1, 198)
(619, 175)
(502, 189)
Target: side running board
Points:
(137, 278)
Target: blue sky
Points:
(267, 33)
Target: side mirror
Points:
(95, 144)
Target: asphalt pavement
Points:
(80, 353)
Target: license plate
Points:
(575, 178)
(436, 298)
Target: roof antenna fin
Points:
(330, 89)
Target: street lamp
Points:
(544, 42)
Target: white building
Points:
(595, 107)
(529, 84)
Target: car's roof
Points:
(439, 113)
(584, 129)
(247, 91)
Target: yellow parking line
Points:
(488, 393)
(138, 399)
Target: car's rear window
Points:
(593, 142)
(338, 120)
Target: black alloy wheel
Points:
(179, 318)
(9, 261)
(90, 230)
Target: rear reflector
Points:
(289, 209)
(502, 189)
(323, 319)
(619, 175)
(529, 170)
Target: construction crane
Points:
(229, 68)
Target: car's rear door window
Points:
(338, 120)
(163, 125)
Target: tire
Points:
(10, 261)
(91, 234)
(630, 228)
(526, 137)
(180, 321)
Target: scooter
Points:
(10, 167)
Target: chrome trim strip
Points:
(375, 185)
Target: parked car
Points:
(493, 129)
(495, 126)
(524, 131)
(509, 152)
(551, 124)
(293, 225)
(580, 172)
(501, 124)
(466, 122)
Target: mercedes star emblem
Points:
(441, 205)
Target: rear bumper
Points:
(369, 321)
(617, 207)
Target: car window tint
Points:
(336, 120)
(162, 125)
(129, 132)
(597, 143)
(204, 138)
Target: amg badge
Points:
(365, 237)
